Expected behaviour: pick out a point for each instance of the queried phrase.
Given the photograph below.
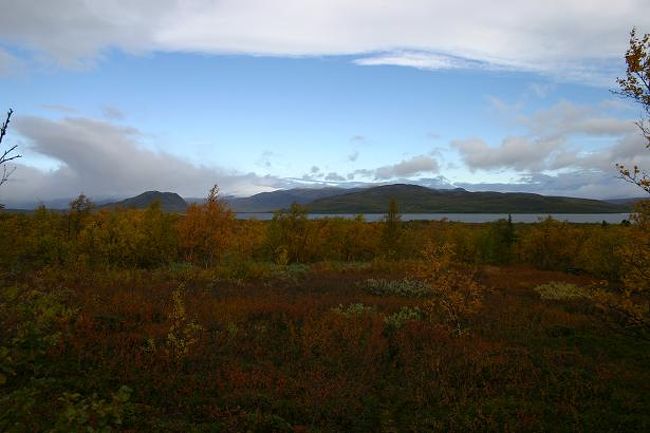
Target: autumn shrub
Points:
(598, 253)
(635, 253)
(456, 293)
(631, 304)
(549, 244)
(496, 242)
(391, 236)
(205, 233)
(290, 237)
(348, 240)
(184, 331)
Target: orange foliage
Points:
(205, 233)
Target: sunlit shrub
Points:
(561, 291)
(354, 310)
(183, 330)
(632, 303)
(456, 294)
(407, 288)
(404, 315)
(205, 234)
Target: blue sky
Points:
(111, 102)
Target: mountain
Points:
(169, 201)
(419, 199)
(282, 199)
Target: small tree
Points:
(8, 154)
(392, 229)
(288, 235)
(636, 86)
(205, 233)
(80, 209)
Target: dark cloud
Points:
(580, 183)
(102, 159)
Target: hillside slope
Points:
(418, 199)
(282, 199)
(169, 201)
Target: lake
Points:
(611, 218)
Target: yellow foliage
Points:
(205, 233)
(457, 294)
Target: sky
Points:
(113, 97)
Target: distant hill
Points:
(410, 198)
(169, 201)
(626, 201)
(282, 199)
(419, 199)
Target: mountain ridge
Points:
(374, 199)
(169, 201)
(419, 199)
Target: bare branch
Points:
(8, 154)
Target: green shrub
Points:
(92, 414)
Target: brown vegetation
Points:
(127, 320)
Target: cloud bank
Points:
(547, 158)
(103, 159)
(536, 35)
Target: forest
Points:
(140, 320)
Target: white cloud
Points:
(59, 108)
(552, 142)
(518, 153)
(113, 113)
(8, 62)
(568, 149)
(334, 177)
(409, 167)
(576, 39)
(566, 118)
(419, 60)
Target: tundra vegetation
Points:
(119, 320)
(139, 320)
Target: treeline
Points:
(209, 235)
